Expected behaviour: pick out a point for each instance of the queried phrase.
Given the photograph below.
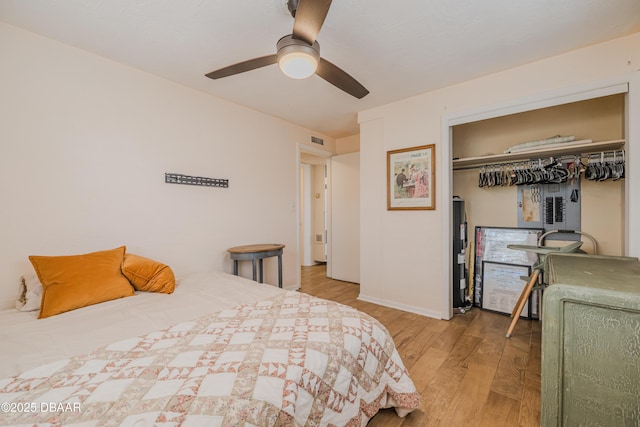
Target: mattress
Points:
(220, 350)
(28, 342)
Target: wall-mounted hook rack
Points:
(176, 178)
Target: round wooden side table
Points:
(256, 253)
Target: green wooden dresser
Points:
(591, 342)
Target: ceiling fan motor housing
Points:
(288, 44)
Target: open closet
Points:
(557, 168)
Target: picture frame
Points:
(503, 284)
(490, 244)
(411, 178)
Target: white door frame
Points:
(303, 148)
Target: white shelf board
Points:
(576, 147)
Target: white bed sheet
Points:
(27, 342)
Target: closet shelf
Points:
(578, 147)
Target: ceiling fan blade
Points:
(340, 79)
(309, 18)
(241, 67)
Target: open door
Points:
(344, 241)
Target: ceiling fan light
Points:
(296, 58)
(298, 65)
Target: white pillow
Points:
(30, 293)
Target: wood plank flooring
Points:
(467, 372)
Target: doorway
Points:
(314, 174)
(313, 210)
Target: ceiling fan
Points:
(298, 54)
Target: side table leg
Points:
(235, 267)
(253, 261)
(279, 271)
(261, 270)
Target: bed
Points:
(219, 351)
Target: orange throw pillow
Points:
(148, 275)
(74, 281)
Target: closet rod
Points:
(517, 162)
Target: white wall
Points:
(85, 143)
(403, 252)
(348, 144)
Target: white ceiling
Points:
(396, 49)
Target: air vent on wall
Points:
(317, 140)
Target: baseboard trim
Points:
(399, 306)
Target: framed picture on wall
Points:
(411, 178)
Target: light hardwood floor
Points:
(467, 372)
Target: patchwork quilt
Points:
(293, 360)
